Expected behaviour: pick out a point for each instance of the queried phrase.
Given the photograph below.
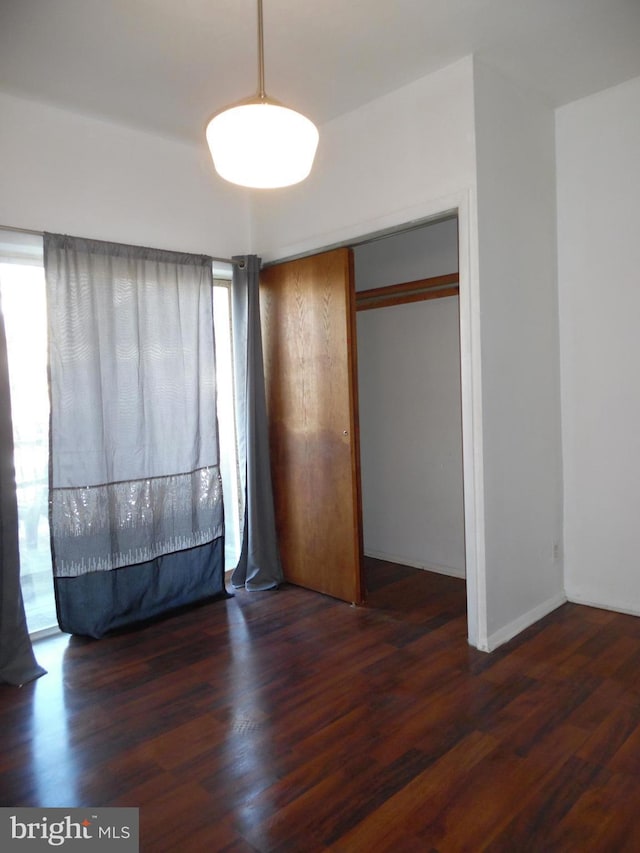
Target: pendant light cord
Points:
(261, 91)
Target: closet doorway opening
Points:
(409, 403)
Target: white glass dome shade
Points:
(261, 143)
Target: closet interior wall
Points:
(410, 405)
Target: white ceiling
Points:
(167, 65)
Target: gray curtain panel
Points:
(134, 448)
(17, 662)
(259, 567)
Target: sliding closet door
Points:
(309, 352)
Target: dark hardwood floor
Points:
(287, 721)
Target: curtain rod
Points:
(41, 234)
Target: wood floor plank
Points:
(288, 722)
(415, 807)
(605, 817)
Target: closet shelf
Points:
(409, 291)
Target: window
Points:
(22, 288)
(226, 420)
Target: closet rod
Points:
(41, 234)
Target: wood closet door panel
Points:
(310, 371)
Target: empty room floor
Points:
(288, 721)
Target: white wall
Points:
(520, 355)
(68, 173)
(598, 155)
(378, 166)
(410, 418)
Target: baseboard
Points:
(508, 632)
(404, 561)
(614, 606)
(45, 633)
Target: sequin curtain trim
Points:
(100, 528)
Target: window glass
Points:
(22, 288)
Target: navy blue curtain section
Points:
(17, 662)
(97, 603)
(259, 567)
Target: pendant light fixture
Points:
(258, 142)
